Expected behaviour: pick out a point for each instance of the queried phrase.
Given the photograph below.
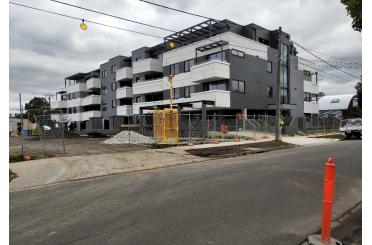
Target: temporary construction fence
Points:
(37, 133)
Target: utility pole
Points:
(21, 111)
(277, 119)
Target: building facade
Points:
(220, 67)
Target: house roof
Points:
(335, 102)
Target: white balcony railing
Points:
(210, 71)
(310, 87)
(124, 92)
(147, 65)
(311, 107)
(91, 100)
(58, 104)
(124, 73)
(124, 110)
(148, 86)
(220, 98)
(93, 83)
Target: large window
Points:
(237, 53)
(104, 74)
(310, 97)
(217, 56)
(104, 90)
(113, 86)
(188, 64)
(113, 68)
(215, 86)
(113, 104)
(175, 69)
(138, 99)
(237, 86)
(187, 92)
(104, 106)
(176, 93)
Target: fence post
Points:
(42, 127)
(63, 131)
(21, 111)
(189, 127)
(236, 125)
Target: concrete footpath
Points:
(43, 172)
(37, 173)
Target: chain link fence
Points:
(35, 133)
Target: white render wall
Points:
(147, 65)
(220, 97)
(311, 107)
(311, 87)
(236, 41)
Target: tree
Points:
(35, 107)
(354, 9)
(358, 88)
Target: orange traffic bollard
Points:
(329, 186)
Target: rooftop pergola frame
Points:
(196, 33)
(79, 76)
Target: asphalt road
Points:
(268, 198)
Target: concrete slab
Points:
(303, 140)
(315, 240)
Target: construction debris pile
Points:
(129, 137)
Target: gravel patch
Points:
(129, 137)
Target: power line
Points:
(178, 10)
(88, 21)
(337, 62)
(110, 15)
(325, 61)
(331, 56)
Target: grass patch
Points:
(12, 175)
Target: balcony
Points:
(147, 66)
(311, 87)
(75, 88)
(213, 70)
(90, 100)
(124, 110)
(94, 83)
(124, 92)
(124, 73)
(311, 107)
(149, 86)
(220, 98)
(58, 104)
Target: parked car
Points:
(351, 127)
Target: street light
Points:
(83, 26)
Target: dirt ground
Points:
(75, 146)
(236, 150)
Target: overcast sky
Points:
(45, 48)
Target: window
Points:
(187, 92)
(335, 101)
(237, 86)
(188, 64)
(74, 95)
(269, 91)
(254, 34)
(307, 97)
(216, 86)
(113, 68)
(307, 73)
(104, 107)
(217, 56)
(237, 53)
(113, 103)
(113, 86)
(138, 79)
(104, 90)
(284, 83)
(176, 93)
(175, 69)
(138, 58)
(138, 99)
(263, 41)
(269, 66)
(74, 110)
(104, 74)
